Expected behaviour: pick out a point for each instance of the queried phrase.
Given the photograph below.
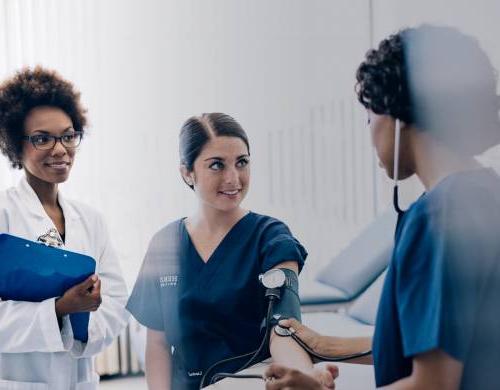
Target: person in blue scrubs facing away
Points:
(198, 291)
(430, 93)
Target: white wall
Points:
(283, 68)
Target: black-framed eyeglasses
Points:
(48, 141)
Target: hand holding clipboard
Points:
(33, 272)
(83, 297)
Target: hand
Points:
(326, 375)
(279, 377)
(330, 345)
(312, 339)
(82, 297)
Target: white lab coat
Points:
(34, 353)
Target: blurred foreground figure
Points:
(430, 93)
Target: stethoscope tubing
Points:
(282, 332)
(328, 358)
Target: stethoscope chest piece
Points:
(282, 331)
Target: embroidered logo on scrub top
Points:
(195, 373)
(169, 280)
(51, 238)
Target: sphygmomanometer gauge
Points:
(274, 278)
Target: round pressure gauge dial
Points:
(274, 278)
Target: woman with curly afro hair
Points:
(430, 94)
(41, 125)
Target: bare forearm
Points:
(433, 370)
(403, 384)
(157, 367)
(414, 383)
(285, 351)
(343, 346)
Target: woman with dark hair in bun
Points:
(430, 93)
(41, 125)
(198, 292)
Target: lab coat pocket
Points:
(89, 385)
(16, 385)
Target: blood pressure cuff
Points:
(289, 304)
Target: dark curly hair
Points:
(439, 80)
(381, 80)
(27, 89)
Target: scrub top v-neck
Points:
(210, 311)
(195, 256)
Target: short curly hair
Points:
(438, 79)
(381, 80)
(27, 89)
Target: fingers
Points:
(274, 385)
(327, 379)
(278, 377)
(90, 293)
(88, 283)
(83, 297)
(307, 335)
(333, 370)
(291, 323)
(327, 375)
(275, 371)
(95, 295)
(96, 289)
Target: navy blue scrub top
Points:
(214, 310)
(442, 289)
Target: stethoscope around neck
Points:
(397, 141)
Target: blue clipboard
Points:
(31, 271)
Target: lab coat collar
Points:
(34, 206)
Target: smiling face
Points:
(221, 173)
(382, 128)
(53, 165)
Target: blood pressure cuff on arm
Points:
(289, 304)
